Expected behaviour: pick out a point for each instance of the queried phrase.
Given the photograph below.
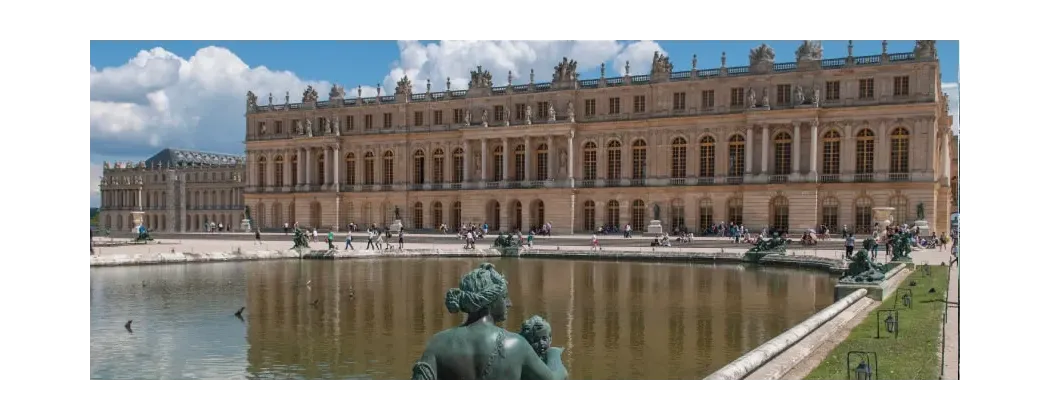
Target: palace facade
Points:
(173, 191)
(792, 144)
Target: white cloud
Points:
(158, 99)
(952, 90)
(96, 175)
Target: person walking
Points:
(850, 240)
(594, 242)
(331, 240)
(401, 238)
(349, 238)
(258, 236)
(371, 240)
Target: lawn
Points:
(915, 354)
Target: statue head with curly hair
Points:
(481, 292)
(537, 331)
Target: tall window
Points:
(677, 214)
(865, 151)
(320, 167)
(736, 96)
(707, 99)
(588, 107)
(349, 122)
(779, 212)
(782, 153)
(497, 167)
(706, 214)
(900, 86)
(590, 161)
(500, 113)
(368, 122)
(418, 118)
(519, 162)
(588, 216)
(736, 155)
(638, 159)
(438, 118)
(278, 171)
(418, 167)
(678, 158)
(544, 109)
(832, 148)
(867, 89)
(679, 101)
(278, 127)
(295, 170)
(735, 210)
(639, 103)
(783, 94)
(519, 111)
(899, 151)
(388, 120)
(829, 213)
(262, 172)
(612, 213)
(388, 167)
(863, 219)
(351, 169)
(370, 168)
(439, 166)
(457, 215)
(707, 157)
(457, 167)
(614, 106)
(457, 116)
(900, 209)
(613, 165)
(437, 215)
(831, 90)
(542, 163)
(637, 214)
(417, 215)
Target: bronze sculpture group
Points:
(773, 245)
(481, 349)
(300, 240)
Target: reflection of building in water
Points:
(622, 319)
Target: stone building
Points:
(792, 144)
(175, 191)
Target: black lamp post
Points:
(903, 297)
(891, 322)
(867, 366)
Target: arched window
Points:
(588, 216)
(865, 151)
(707, 157)
(735, 210)
(418, 167)
(278, 171)
(417, 215)
(782, 153)
(295, 170)
(388, 167)
(637, 215)
(457, 215)
(832, 152)
(351, 168)
(494, 225)
(638, 151)
(497, 167)
(829, 213)
(542, 163)
(517, 216)
(863, 218)
(590, 161)
(706, 214)
(457, 167)
(899, 151)
(736, 156)
(261, 180)
(613, 155)
(677, 214)
(439, 166)
(678, 158)
(370, 168)
(437, 214)
(778, 210)
(612, 213)
(900, 209)
(519, 162)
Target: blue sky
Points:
(147, 95)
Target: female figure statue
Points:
(480, 349)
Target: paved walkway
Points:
(951, 329)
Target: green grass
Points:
(915, 354)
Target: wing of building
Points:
(792, 145)
(173, 191)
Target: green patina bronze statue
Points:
(480, 349)
(537, 331)
(774, 245)
(863, 270)
(505, 241)
(300, 240)
(901, 246)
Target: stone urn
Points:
(882, 217)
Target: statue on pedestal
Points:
(480, 349)
(397, 213)
(863, 270)
(920, 210)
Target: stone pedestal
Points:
(246, 225)
(924, 227)
(396, 226)
(137, 218)
(654, 228)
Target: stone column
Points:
(328, 170)
(814, 145)
(484, 160)
(946, 155)
(287, 169)
(550, 158)
(765, 149)
(572, 159)
(271, 172)
(308, 167)
(796, 150)
(882, 152)
(528, 158)
(337, 161)
(449, 157)
(181, 185)
(506, 159)
(931, 155)
(468, 164)
(849, 155)
(748, 149)
(138, 199)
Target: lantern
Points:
(891, 323)
(862, 371)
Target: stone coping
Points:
(832, 265)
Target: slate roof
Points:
(174, 157)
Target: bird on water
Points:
(315, 302)
(238, 313)
(127, 325)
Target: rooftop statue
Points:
(309, 95)
(252, 101)
(480, 79)
(565, 71)
(809, 50)
(480, 349)
(404, 86)
(762, 53)
(661, 64)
